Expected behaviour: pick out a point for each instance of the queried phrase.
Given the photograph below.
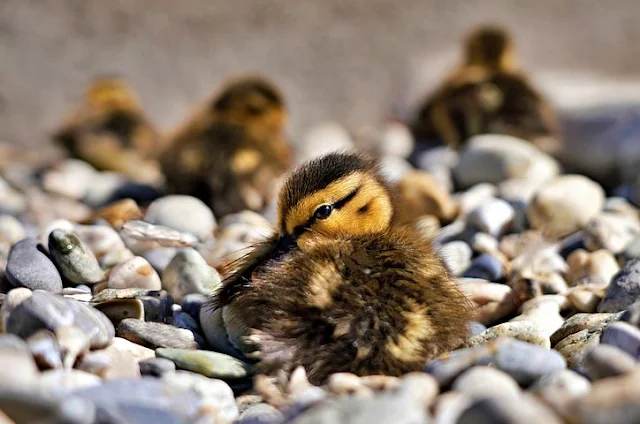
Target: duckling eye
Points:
(323, 212)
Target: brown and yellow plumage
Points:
(487, 93)
(231, 153)
(340, 287)
(111, 132)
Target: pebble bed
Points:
(102, 317)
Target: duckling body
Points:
(232, 152)
(111, 132)
(486, 94)
(340, 287)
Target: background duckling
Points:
(487, 93)
(232, 152)
(339, 287)
(111, 132)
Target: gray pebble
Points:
(632, 314)
(209, 364)
(74, 259)
(29, 266)
(155, 334)
(623, 336)
(186, 321)
(476, 328)
(579, 322)
(487, 267)
(456, 255)
(44, 310)
(156, 367)
(188, 273)
(261, 413)
(192, 303)
(560, 388)
(45, 349)
(624, 288)
(483, 381)
(507, 411)
(61, 382)
(184, 213)
(493, 217)
(19, 370)
(607, 361)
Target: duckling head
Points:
(340, 194)
(252, 102)
(108, 93)
(491, 47)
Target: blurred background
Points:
(351, 61)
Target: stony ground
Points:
(102, 300)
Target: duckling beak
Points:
(284, 245)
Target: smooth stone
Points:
(186, 321)
(134, 350)
(456, 255)
(45, 349)
(565, 204)
(192, 304)
(73, 258)
(20, 369)
(517, 244)
(119, 212)
(560, 388)
(155, 334)
(597, 267)
(624, 288)
(522, 361)
(74, 342)
(623, 336)
(212, 392)
(215, 332)
(63, 382)
(449, 406)
(606, 360)
(630, 315)
(484, 381)
(494, 158)
(184, 213)
(29, 266)
(484, 243)
(189, 273)
(134, 273)
(394, 168)
(487, 267)
(118, 309)
(544, 314)
(611, 231)
(11, 230)
(96, 363)
(631, 250)
(586, 298)
(419, 386)
(261, 413)
(71, 178)
(505, 411)
(29, 406)
(160, 258)
(44, 310)
(209, 364)
(579, 322)
(123, 357)
(474, 197)
(611, 400)
(156, 367)
(105, 243)
(15, 297)
(525, 331)
(140, 236)
(517, 190)
(476, 328)
(492, 301)
(492, 217)
(389, 137)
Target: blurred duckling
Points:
(487, 93)
(340, 287)
(232, 153)
(111, 132)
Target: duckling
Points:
(486, 94)
(339, 287)
(233, 151)
(111, 132)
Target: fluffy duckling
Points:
(339, 287)
(111, 132)
(233, 151)
(486, 94)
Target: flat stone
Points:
(525, 331)
(29, 266)
(624, 288)
(155, 335)
(209, 364)
(560, 388)
(74, 259)
(623, 336)
(575, 347)
(606, 360)
(579, 322)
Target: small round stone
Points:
(624, 288)
(525, 331)
(134, 273)
(155, 334)
(29, 266)
(189, 273)
(608, 361)
(45, 349)
(156, 367)
(209, 364)
(485, 266)
(483, 381)
(456, 255)
(623, 336)
(74, 259)
(183, 213)
(492, 217)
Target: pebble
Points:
(189, 273)
(582, 321)
(474, 197)
(623, 336)
(630, 315)
(183, 213)
(209, 364)
(560, 388)
(518, 244)
(606, 360)
(119, 212)
(492, 301)
(192, 303)
(493, 217)
(565, 204)
(575, 347)
(624, 288)
(73, 258)
(487, 267)
(118, 309)
(323, 138)
(44, 310)
(134, 273)
(260, 413)
(29, 266)
(484, 243)
(155, 334)
(11, 230)
(71, 178)
(96, 363)
(160, 258)
(215, 332)
(105, 243)
(73, 342)
(12, 300)
(456, 255)
(157, 304)
(156, 367)
(394, 168)
(484, 381)
(23, 371)
(63, 382)
(140, 236)
(524, 362)
(611, 231)
(525, 331)
(586, 298)
(494, 158)
(545, 314)
(597, 267)
(45, 349)
(527, 410)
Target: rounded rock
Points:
(209, 364)
(624, 288)
(189, 273)
(134, 273)
(608, 361)
(483, 381)
(183, 213)
(74, 259)
(456, 255)
(29, 266)
(493, 217)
